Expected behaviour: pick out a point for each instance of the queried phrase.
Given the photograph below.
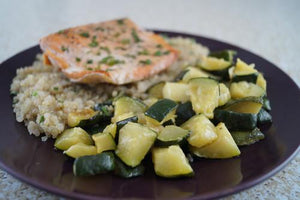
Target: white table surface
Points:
(270, 29)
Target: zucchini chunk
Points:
(263, 117)
(245, 105)
(95, 164)
(204, 95)
(216, 66)
(122, 123)
(223, 147)
(155, 90)
(124, 105)
(266, 103)
(135, 140)
(261, 81)
(122, 170)
(111, 129)
(171, 162)
(202, 131)
(171, 135)
(80, 149)
(242, 138)
(176, 91)
(235, 120)
(226, 54)
(180, 76)
(244, 72)
(104, 142)
(224, 94)
(163, 110)
(72, 136)
(192, 72)
(244, 89)
(80, 118)
(184, 112)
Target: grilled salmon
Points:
(115, 51)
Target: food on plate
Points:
(203, 104)
(116, 51)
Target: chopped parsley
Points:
(63, 48)
(84, 34)
(99, 29)
(145, 62)
(130, 56)
(42, 119)
(78, 59)
(159, 46)
(166, 52)
(135, 36)
(61, 31)
(144, 52)
(34, 93)
(55, 88)
(89, 68)
(120, 48)
(89, 61)
(110, 60)
(157, 53)
(94, 42)
(120, 21)
(125, 41)
(117, 34)
(105, 49)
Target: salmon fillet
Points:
(115, 51)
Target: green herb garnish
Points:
(145, 62)
(78, 59)
(89, 68)
(63, 48)
(157, 53)
(84, 34)
(55, 88)
(120, 21)
(89, 61)
(34, 93)
(135, 36)
(94, 42)
(125, 41)
(105, 49)
(42, 119)
(109, 60)
(159, 46)
(144, 52)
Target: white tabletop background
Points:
(270, 29)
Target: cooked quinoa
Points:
(44, 96)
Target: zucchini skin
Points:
(184, 112)
(95, 164)
(249, 78)
(122, 123)
(124, 171)
(161, 109)
(263, 117)
(180, 76)
(266, 103)
(99, 117)
(227, 54)
(234, 120)
(243, 138)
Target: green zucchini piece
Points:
(162, 111)
(176, 91)
(266, 103)
(171, 162)
(171, 135)
(122, 123)
(244, 89)
(156, 90)
(81, 118)
(104, 142)
(263, 117)
(250, 105)
(242, 68)
(95, 164)
(251, 78)
(192, 72)
(180, 76)
(242, 138)
(81, 149)
(184, 112)
(261, 81)
(135, 140)
(124, 105)
(227, 54)
(223, 147)
(202, 130)
(224, 94)
(97, 128)
(111, 129)
(216, 66)
(72, 136)
(122, 170)
(204, 95)
(235, 120)
(168, 123)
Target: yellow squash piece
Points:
(74, 118)
(80, 149)
(223, 147)
(202, 131)
(71, 137)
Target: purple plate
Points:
(38, 164)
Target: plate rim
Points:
(210, 195)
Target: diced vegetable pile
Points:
(207, 111)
